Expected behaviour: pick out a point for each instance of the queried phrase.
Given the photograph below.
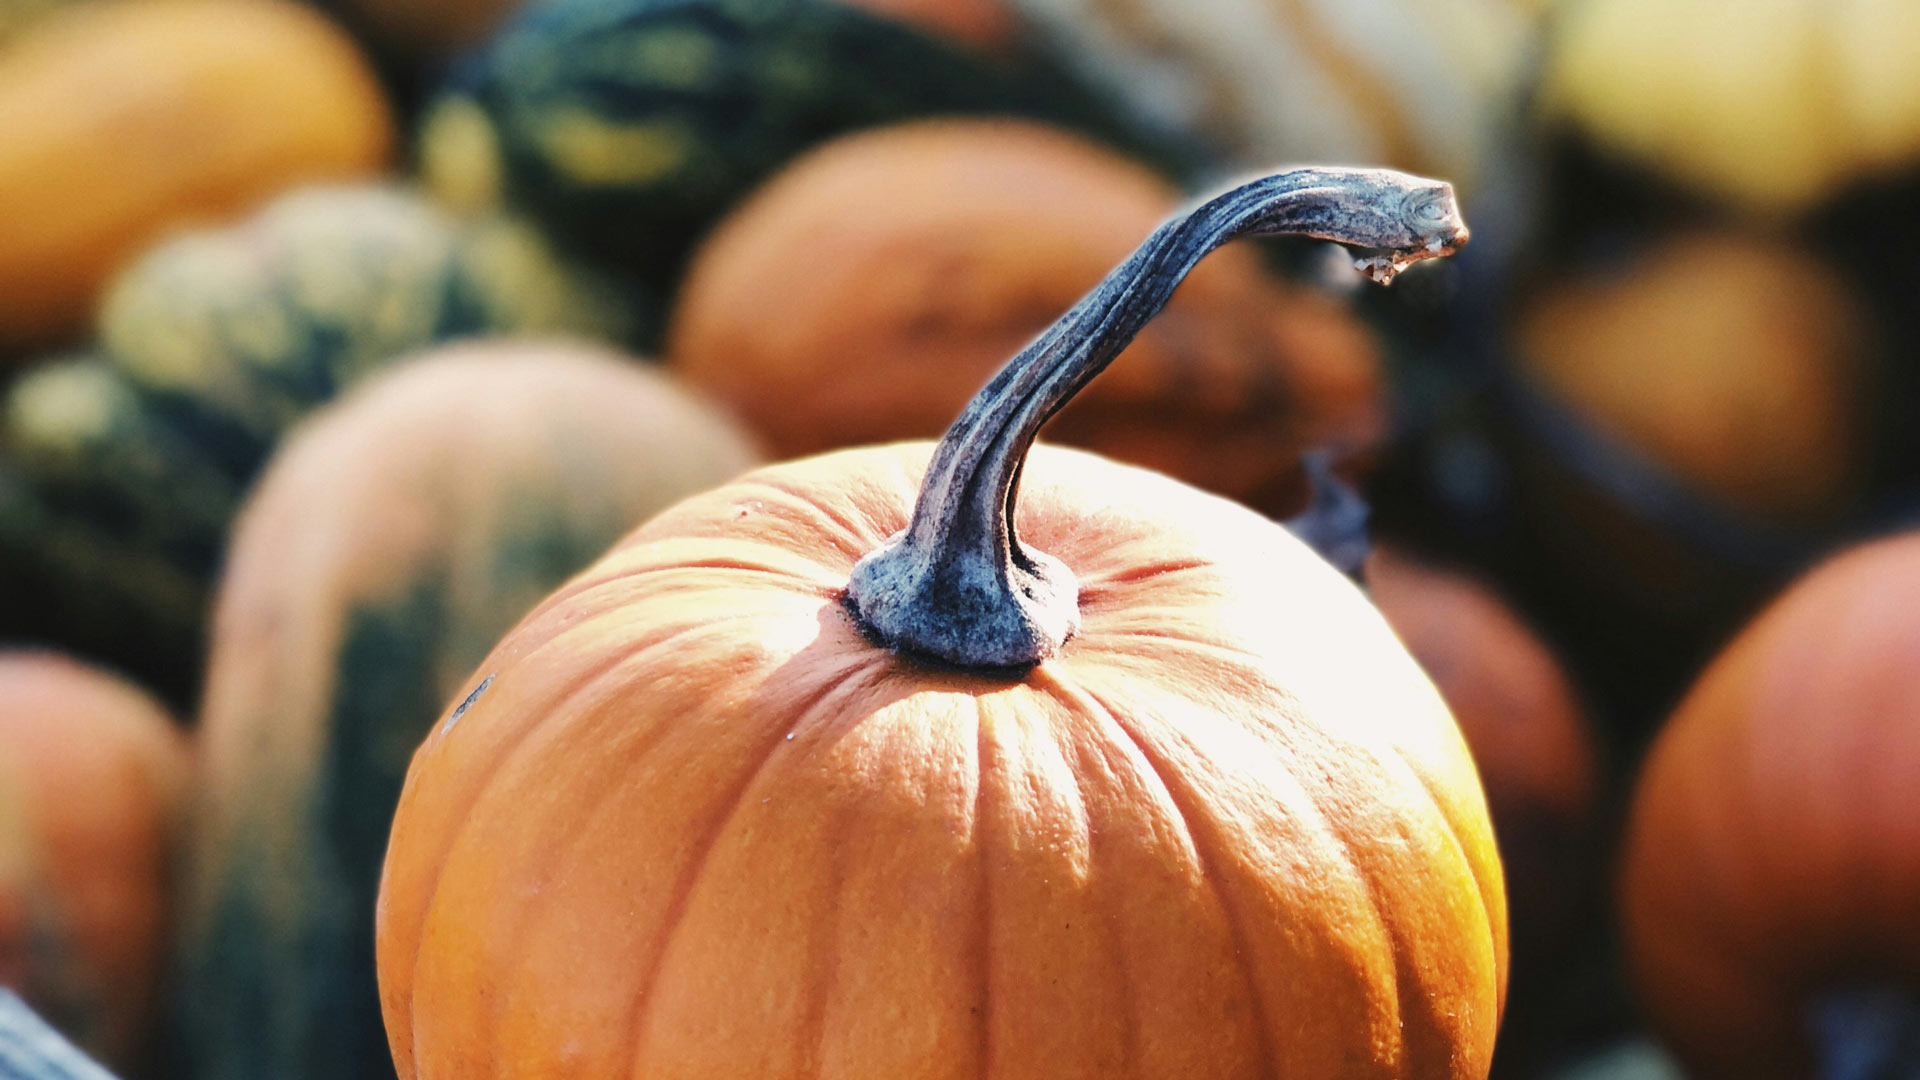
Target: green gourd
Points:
(627, 127)
(394, 538)
(120, 471)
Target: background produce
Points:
(1672, 373)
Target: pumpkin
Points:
(30, 1050)
(1536, 755)
(1771, 864)
(1772, 112)
(1739, 363)
(126, 468)
(392, 541)
(1148, 790)
(869, 289)
(1424, 86)
(119, 122)
(91, 777)
(626, 128)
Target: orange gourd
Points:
(1772, 856)
(808, 777)
(119, 122)
(1737, 362)
(866, 292)
(1537, 760)
(91, 775)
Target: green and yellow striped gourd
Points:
(627, 127)
(121, 470)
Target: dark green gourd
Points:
(396, 536)
(121, 470)
(627, 127)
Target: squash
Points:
(867, 291)
(126, 468)
(1147, 790)
(394, 538)
(1771, 866)
(1773, 112)
(92, 774)
(30, 1050)
(1740, 364)
(1425, 86)
(119, 122)
(627, 127)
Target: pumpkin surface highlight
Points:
(396, 537)
(690, 819)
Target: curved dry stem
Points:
(956, 586)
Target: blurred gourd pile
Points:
(335, 337)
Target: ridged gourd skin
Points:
(1539, 762)
(92, 781)
(396, 537)
(120, 122)
(1427, 87)
(1773, 112)
(1740, 363)
(686, 820)
(865, 293)
(1772, 851)
(626, 128)
(122, 471)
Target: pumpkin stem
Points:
(1867, 1034)
(1334, 524)
(956, 586)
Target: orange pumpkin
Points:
(1737, 362)
(1537, 759)
(1773, 850)
(91, 774)
(1146, 790)
(865, 293)
(119, 122)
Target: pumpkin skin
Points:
(627, 128)
(865, 293)
(123, 471)
(234, 100)
(1739, 363)
(30, 1050)
(394, 539)
(1771, 850)
(782, 850)
(1538, 762)
(89, 892)
(1772, 113)
(1425, 86)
